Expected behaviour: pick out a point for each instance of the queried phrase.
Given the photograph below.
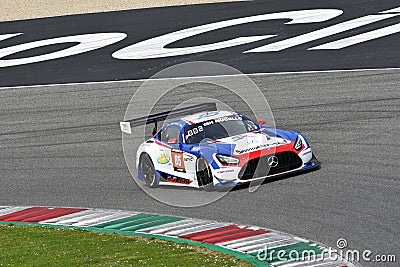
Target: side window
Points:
(169, 133)
(250, 125)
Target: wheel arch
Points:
(140, 176)
(209, 186)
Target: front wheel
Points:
(204, 175)
(148, 171)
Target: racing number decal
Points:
(177, 160)
(194, 131)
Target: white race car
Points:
(207, 148)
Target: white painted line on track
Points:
(205, 76)
(89, 217)
(394, 10)
(261, 240)
(105, 219)
(69, 216)
(278, 242)
(95, 218)
(359, 38)
(244, 241)
(79, 216)
(196, 229)
(173, 226)
(8, 210)
(257, 246)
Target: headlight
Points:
(227, 159)
(299, 143)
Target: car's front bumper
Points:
(312, 164)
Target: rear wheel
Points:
(204, 175)
(148, 171)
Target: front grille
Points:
(286, 161)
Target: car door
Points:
(171, 137)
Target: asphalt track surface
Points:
(61, 146)
(139, 25)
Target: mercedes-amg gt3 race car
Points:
(207, 148)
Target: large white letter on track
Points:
(155, 47)
(86, 42)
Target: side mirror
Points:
(261, 121)
(172, 141)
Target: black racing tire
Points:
(148, 171)
(204, 174)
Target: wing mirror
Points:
(172, 141)
(262, 121)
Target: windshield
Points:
(218, 128)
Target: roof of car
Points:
(205, 116)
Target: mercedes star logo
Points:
(273, 161)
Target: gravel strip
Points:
(29, 9)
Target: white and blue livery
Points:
(206, 148)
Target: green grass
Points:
(47, 246)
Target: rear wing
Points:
(126, 126)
